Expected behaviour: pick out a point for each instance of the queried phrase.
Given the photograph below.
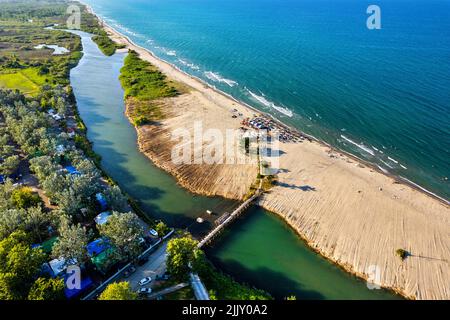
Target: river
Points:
(258, 249)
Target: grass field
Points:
(26, 80)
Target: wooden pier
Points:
(236, 213)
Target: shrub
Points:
(162, 229)
(140, 121)
(402, 253)
(25, 198)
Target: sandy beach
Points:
(347, 210)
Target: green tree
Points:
(43, 167)
(8, 289)
(118, 291)
(25, 198)
(9, 165)
(37, 222)
(19, 264)
(6, 191)
(116, 199)
(125, 232)
(181, 254)
(72, 242)
(47, 289)
(162, 229)
(11, 220)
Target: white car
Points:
(153, 232)
(145, 281)
(145, 291)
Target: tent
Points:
(59, 266)
(101, 201)
(47, 245)
(97, 246)
(105, 260)
(72, 170)
(85, 284)
(102, 218)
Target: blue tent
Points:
(102, 218)
(2, 179)
(72, 170)
(85, 284)
(97, 246)
(101, 201)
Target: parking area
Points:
(156, 265)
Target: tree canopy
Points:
(19, 264)
(118, 291)
(182, 253)
(47, 289)
(125, 232)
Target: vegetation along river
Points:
(258, 249)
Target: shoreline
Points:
(301, 232)
(374, 166)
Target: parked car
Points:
(162, 277)
(142, 261)
(153, 232)
(145, 291)
(129, 271)
(145, 281)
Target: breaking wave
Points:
(360, 146)
(188, 64)
(262, 99)
(218, 78)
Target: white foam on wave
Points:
(360, 146)
(393, 160)
(387, 164)
(262, 99)
(218, 78)
(171, 53)
(188, 64)
(383, 169)
(124, 29)
(425, 190)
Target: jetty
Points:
(236, 213)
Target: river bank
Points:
(352, 214)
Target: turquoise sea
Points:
(383, 95)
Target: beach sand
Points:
(348, 211)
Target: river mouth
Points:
(258, 249)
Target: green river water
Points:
(258, 249)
